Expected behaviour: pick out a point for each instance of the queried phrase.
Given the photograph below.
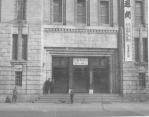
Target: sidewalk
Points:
(100, 106)
(75, 110)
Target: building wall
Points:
(31, 68)
(42, 34)
(131, 70)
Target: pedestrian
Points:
(47, 86)
(71, 96)
(14, 97)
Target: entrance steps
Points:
(80, 98)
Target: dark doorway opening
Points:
(60, 80)
(101, 80)
(81, 80)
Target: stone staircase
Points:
(80, 98)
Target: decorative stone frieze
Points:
(79, 30)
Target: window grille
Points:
(18, 78)
(138, 12)
(145, 49)
(136, 42)
(104, 12)
(142, 81)
(15, 47)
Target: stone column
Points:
(110, 75)
(70, 74)
(49, 66)
(91, 81)
(90, 78)
(19, 42)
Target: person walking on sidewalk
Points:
(71, 96)
(15, 94)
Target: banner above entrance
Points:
(80, 61)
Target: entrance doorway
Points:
(81, 80)
(101, 80)
(60, 80)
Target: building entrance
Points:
(101, 80)
(60, 80)
(60, 75)
(81, 80)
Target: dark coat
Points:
(47, 84)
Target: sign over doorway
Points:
(80, 61)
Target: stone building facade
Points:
(78, 44)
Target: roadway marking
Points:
(132, 109)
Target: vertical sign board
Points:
(128, 30)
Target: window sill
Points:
(105, 25)
(18, 62)
(57, 23)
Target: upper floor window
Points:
(138, 12)
(24, 47)
(59, 11)
(104, 12)
(145, 49)
(137, 46)
(81, 11)
(15, 47)
(21, 9)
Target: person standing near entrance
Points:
(47, 86)
(15, 93)
(71, 96)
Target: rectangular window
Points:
(104, 12)
(21, 9)
(57, 11)
(145, 49)
(142, 81)
(18, 78)
(15, 47)
(138, 13)
(81, 11)
(58, 61)
(136, 44)
(24, 47)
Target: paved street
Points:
(74, 110)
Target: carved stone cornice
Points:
(66, 30)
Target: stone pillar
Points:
(91, 81)
(19, 42)
(90, 78)
(49, 66)
(110, 75)
(70, 74)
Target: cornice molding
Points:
(66, 30)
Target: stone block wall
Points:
(5, 54)
(31, 69)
